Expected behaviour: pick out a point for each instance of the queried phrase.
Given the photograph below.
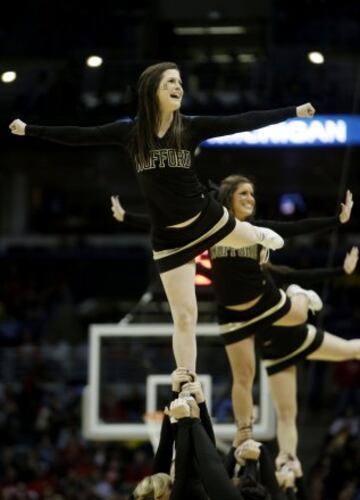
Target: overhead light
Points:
(209, 30)
(226, 30)
(113, 98)
(8, 76)
(221, 58)
(191, 30)
(316, 57)
(94, 61)
(90, 100)
(246, 58)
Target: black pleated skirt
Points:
(237, 325)
(174, 247)
(284, 346)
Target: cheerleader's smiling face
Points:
(170, 91)
(243, 201)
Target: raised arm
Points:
(312, 225)
(230, 462)
(268, 476)
(138, 221)
(302, 226)
(205, 127)
(184, 464)
(183, 459)
(303, 277)
(196, 391)
(306, 277)
(164, 453)
(111, 133)
(212, 471)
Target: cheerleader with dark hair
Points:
(248, 301)
(185, 219)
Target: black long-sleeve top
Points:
(168, 434)
(182, 459)
(282, 275)
(169, 180)
(137, 221)
(212, 471)
(266, 477)
(236, 273)
(185, 465)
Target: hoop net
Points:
(153, 421)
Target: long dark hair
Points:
(143, 136)
(228, 187)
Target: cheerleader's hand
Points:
(17, 127)
(351, 260)
(117, 209)
(305, 110)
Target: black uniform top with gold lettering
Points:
(169, 181)
(237, 274)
